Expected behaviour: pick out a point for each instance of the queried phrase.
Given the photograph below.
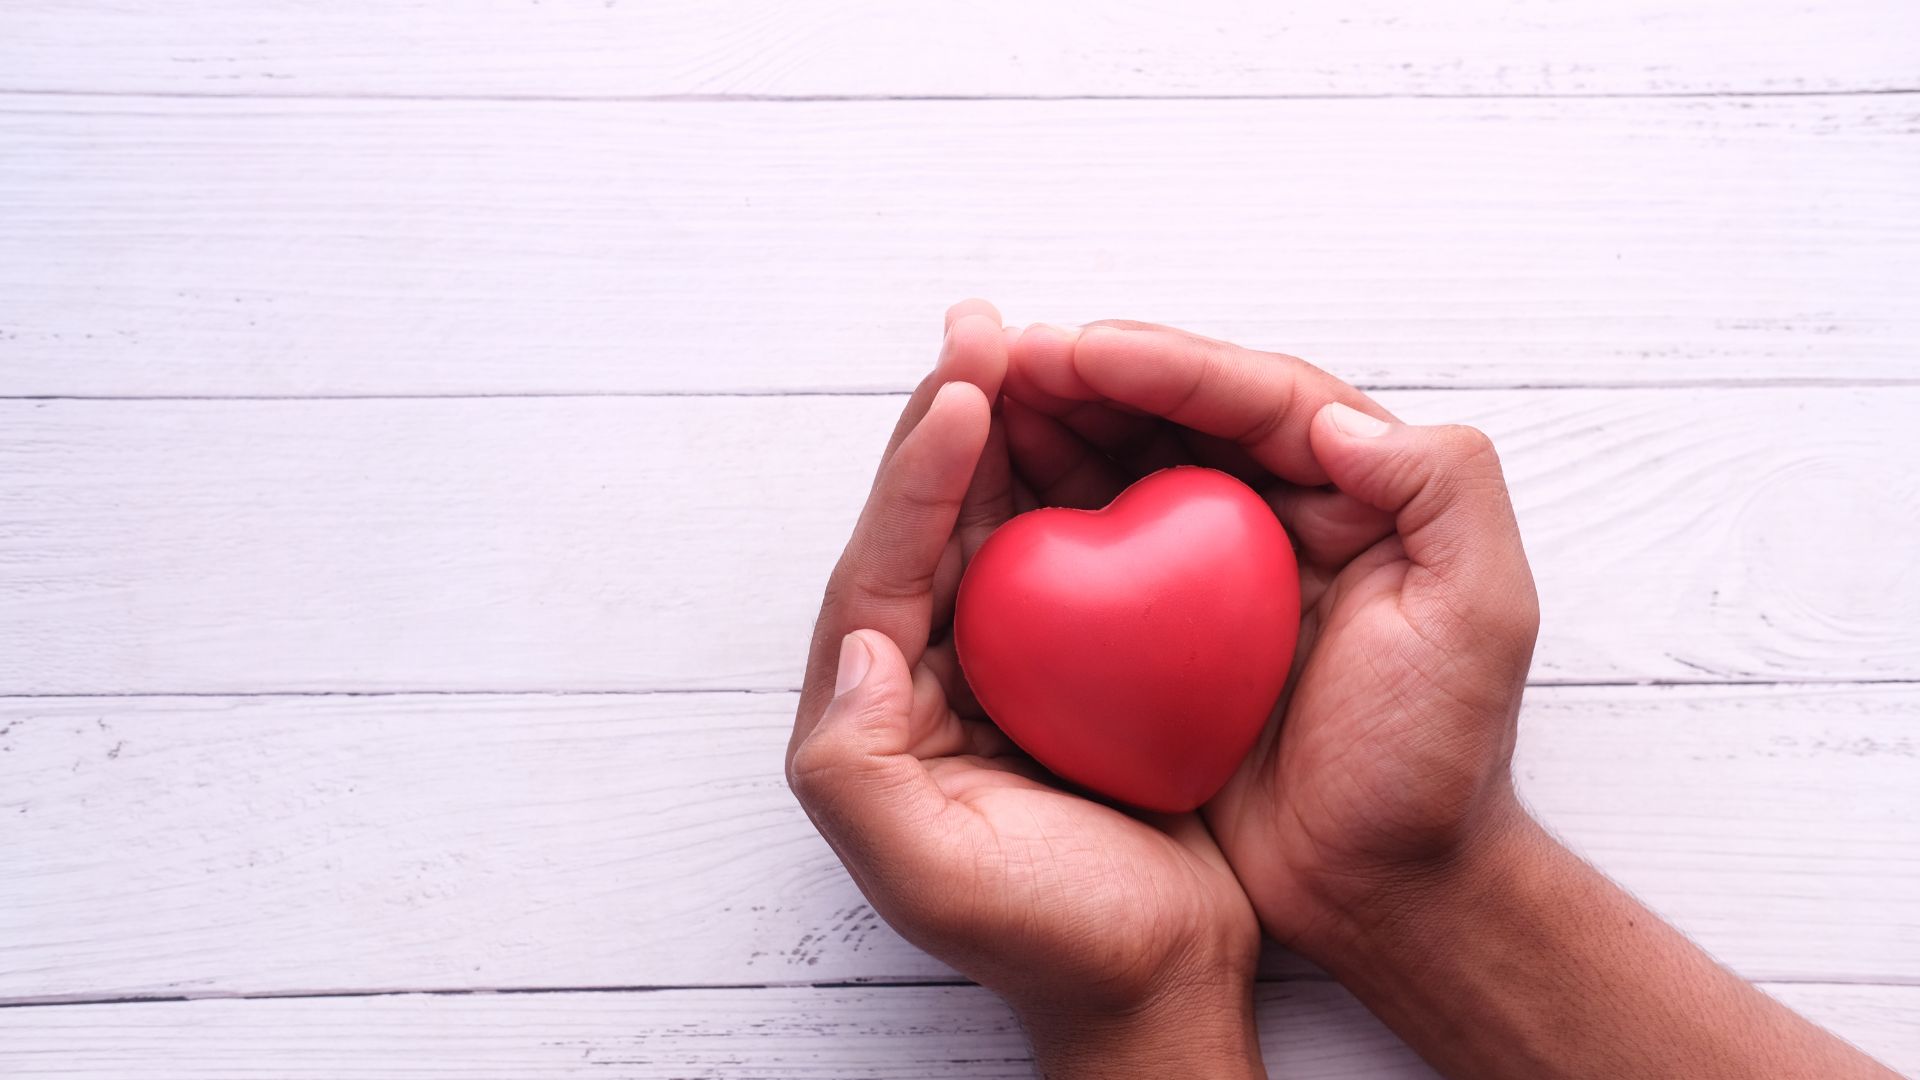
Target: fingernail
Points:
(1353, 422)
(1011, 334)
(855, 659)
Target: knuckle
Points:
(813, 770)
(862, 721)
(880, 595)
(1461, 467)
(1513, 621)
(843, 590)
(856, 585)
(1481, 621)
(1470, 444)
(942, 920)
(1184, 396)
(1523, 625)
(1451, 623)
(1473, 458)
(1282, 397)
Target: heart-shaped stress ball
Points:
(1136, 650)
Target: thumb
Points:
(855, 774)
(1451, 509)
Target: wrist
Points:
(1369, 918)
(1200, 1030)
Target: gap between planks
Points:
(858, 99)
(1775, 383)
(697, 691)
(60, 1001)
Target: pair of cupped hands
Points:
(1386, 760)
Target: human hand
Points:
(1375, 826)
(1389, 755)
(1122, 940)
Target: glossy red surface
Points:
(1136, 650)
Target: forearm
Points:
(1203, 1035)
(1521, 960)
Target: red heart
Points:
(1135, 650)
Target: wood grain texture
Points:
(1308, 1031)
(217, 199)
(647, 543)
(231, 248)
(275, 845)
(995, 47)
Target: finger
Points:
(1371, 573)
(986, 506)
(884, 578)
(1041, 364)
(972, 306)
(852, 767)
(989, 499)
(974, 350)
(936, 730)
(1328, 528)
(916, 501)
(1262, 401)
(1229, 457)
(1040, 375)
(1058, 465)
(944, 662)
(1448, 497)
(1040, 370)
(1139, 444)
(945, 589)
(1136, 324)
(1023, 497)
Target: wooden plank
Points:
(298, 845)
(232, 248)
(1307, 1031)
(992, 47)
(646, 544)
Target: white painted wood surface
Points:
(673, 543)
(1308, 1031)
(262, 845)
(606, 48)
(475, 208)
(221, 248)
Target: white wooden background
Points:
(425, 428)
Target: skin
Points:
(1374, 828)
(1122, 940)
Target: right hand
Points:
(1121, 939)
(1388, 756)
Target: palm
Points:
(1040, 865)
(1366, 764)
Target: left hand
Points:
(1122, 940)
